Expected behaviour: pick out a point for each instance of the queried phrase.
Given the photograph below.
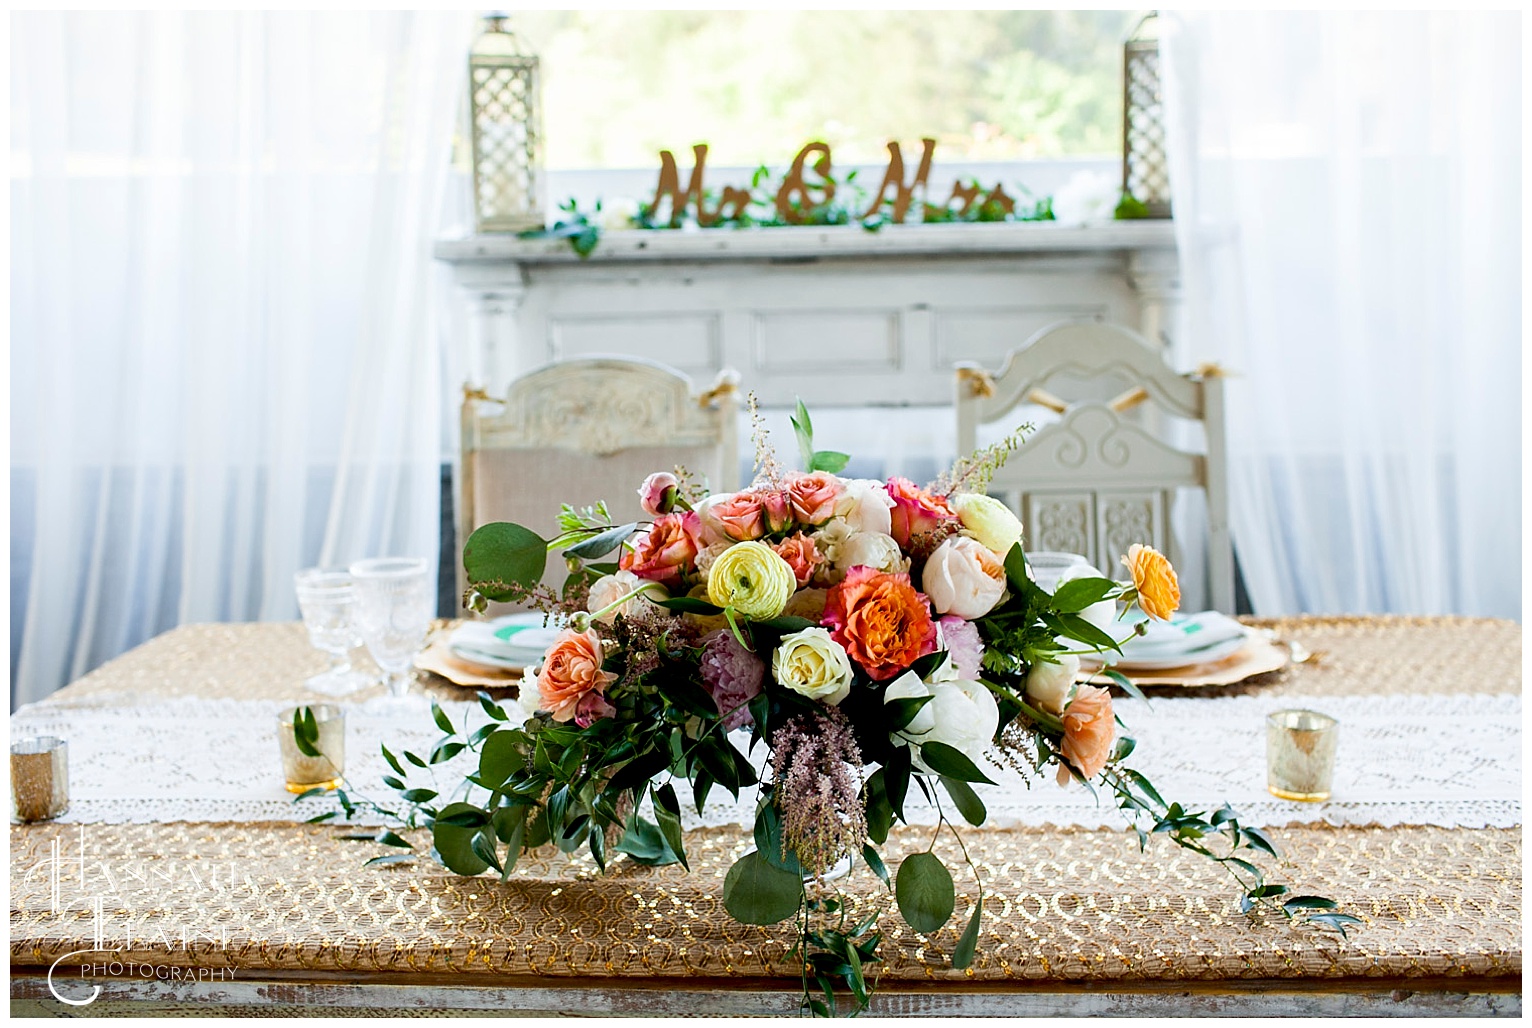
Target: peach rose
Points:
(915, 510)
(737, 518)
(1159, 593)
(801, 555)
(882, 622)
(1089, 732)
(668, 550)
(813, 497)
(572, 670)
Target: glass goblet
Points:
(395, 599)
(327, 599)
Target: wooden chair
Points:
(585, 430)
(1102, 476)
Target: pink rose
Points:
(801, 555)
(915, 510)
(737, 518)
(658, 493)
(571, 670)
(813, 497)
(668, 550)
(1089, 732)
(778, 508)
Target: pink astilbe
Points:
(818, 789)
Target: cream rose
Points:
(865, 506)
(753, 579)
(961, 714)
(624, 585)
(812, 664)
(988, 520)
(964, 577)
(1048, 684)
(873, 550)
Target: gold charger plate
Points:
(1260, 655)
(439, 660)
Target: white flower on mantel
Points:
(618, 214)
(1087, 196)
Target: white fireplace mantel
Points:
(836, 316)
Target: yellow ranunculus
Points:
(753, 579)
(987, 520)
(814, 665)
(1159, 594)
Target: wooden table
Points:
(1078, 922)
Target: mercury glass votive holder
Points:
(326, 770)
(39, 778)
(1300, 754)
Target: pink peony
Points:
(813, 497)
(732, 676)
(592, 707)
(915, 510)
(668, 551)
(658, 493)
(961, 641)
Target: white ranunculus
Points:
(988, 520)
(865, 506)
(1048, 684)
(610, 588)
(873, 550)
(528, 694)
(964, 577)
(961, 714)
(812, 664)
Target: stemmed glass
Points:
(327, 599)
(395, 599)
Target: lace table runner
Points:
(1444, 760)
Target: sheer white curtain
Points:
(223, 361)
(1347, 195)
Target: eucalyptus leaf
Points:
(968, 942)
(602, 544)
(454, 843)
(951, 762)
(667, 810)
(968, 802)
(502, 559)
(501, 756)
(925, 893)
(756, 893)
(875, 862)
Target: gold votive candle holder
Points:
(303, 771)
(1300, 754)
(39, 778)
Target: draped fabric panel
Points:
(1348, 209)
(224, 361)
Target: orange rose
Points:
(571, 670)
(668, 550)
(812, 497)
(1089, 731)
(801, 555)
(915, 510)
(1158, 591)
(880, 620)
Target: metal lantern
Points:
(1145, 162)
(506, 106)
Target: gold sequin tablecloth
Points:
(1061, 905)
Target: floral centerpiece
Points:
(877, 637)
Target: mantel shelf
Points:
(808, 243)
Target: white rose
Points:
(618, 214)
(812, 664)
(610, 589)
(865, 506)
(988, 520)
(964, 577)
(1048, 684)
(961, 714)
(1101, 614)
(873, 550)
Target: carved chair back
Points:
(1103, 475)
(588, 430)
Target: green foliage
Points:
(756, 892)
(925, 893)
(306, 732)
(504, 561)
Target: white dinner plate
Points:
(1207, 655)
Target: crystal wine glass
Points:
(327, 598)
(395, 598)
